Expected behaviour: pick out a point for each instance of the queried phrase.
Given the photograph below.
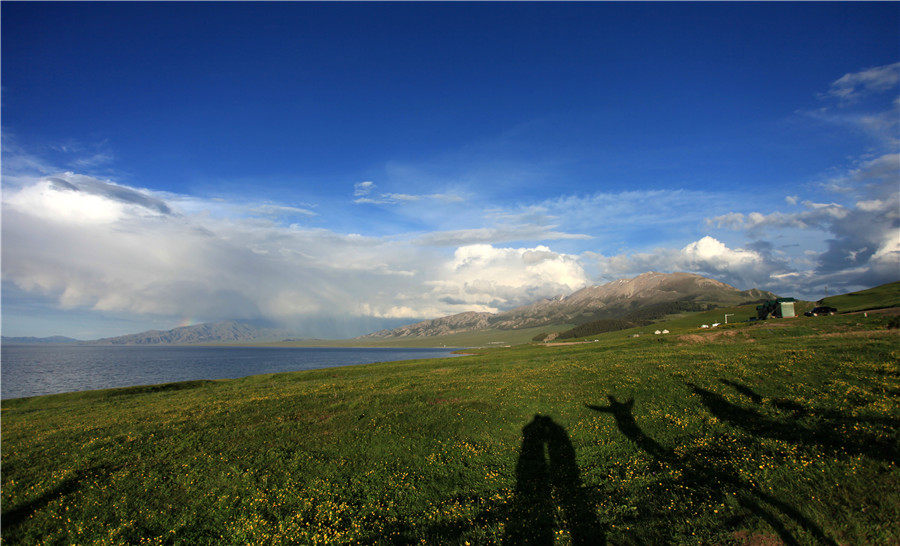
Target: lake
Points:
(29, 370)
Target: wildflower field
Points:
(784, 431)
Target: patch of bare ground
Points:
(860, 333)
(315, 418)
(782, 323)
(737, 335)
(889, 312)
(745, 538)
(442, 401)
(708, 337)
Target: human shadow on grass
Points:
(706, 474)
(800, 410)
(825, 433)
(548, 497)
(547, 476)
(11, 518)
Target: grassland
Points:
(880, 297)
(784, 431)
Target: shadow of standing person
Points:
(547, 476)
(532, 517)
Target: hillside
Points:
(454, 324)
(784, 432)
(488, 337)
(886, 295)
(611, 300)
(209, 332)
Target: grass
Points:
(886, 295)
(785, 431)
(690, 323)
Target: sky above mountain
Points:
(341, 168)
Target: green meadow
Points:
(761, 433)
(886, 295)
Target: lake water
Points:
(29, 370)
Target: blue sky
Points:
(360, 165)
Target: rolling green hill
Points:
(886, 295)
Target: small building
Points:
(787, 309)
(658, 332)
(665, 331)
(705, 326)
(778, 308)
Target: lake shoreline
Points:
(34, 370)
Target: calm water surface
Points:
(29, 370)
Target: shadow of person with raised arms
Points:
(710, 477)
(824, 433)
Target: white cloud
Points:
(816, 215)
(867, 102)
(853, 85)
(389, 197)
(52, 202)
(525, 232)
(711, 253)
(502, 278)
(852, 242)
(859, 241)
(611, 217)
(400, 198)
(744, 268)
(109, 253)
(876, 176)
(280, 210)
(363, 188)
(363, 193)
(75, 198)
(93, 244)
(447, 197)
(94, 160)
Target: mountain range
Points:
(607, 301)
(30, 340)
(611, 300)
(229, 331)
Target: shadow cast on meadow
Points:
(829, 429)
(712, 477)
(14, 516)
(549, 498)
(549, 488)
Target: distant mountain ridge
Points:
(30, 340)
(610, 300)
(229, 331)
